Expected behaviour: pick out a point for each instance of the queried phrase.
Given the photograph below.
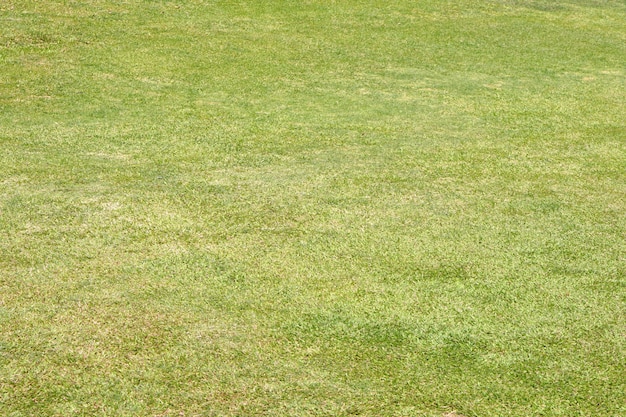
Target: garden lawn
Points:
(313, 208)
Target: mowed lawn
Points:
(313, 208)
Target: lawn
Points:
(313, 208)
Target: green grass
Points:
(313, 208)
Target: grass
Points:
(313, 208)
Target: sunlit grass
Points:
(313, 208)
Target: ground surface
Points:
(313, 208)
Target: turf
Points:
(313, 208)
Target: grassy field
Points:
(313, 208)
